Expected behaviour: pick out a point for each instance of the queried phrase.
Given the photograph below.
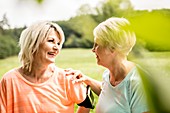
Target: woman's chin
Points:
(98, 62)
(51, 60)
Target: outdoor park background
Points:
(151, 51)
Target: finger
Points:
(68, 69)
(69, 73)
(78, 80)
(78, 75)
(77, 72)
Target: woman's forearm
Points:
(94, 84)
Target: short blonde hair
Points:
(32, 37)
(116, 34)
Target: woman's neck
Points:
(119, 71)
(39, 73)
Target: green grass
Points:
(7, 64)
(79, 59)
(84, 60)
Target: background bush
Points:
(8, 46)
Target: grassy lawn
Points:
(81, 59)
(84, 60)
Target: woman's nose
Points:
(93, 49)
(55, 47)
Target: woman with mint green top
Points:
(126, 97)
(121, 88)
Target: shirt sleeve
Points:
(3, 96)
(76, 91)
(138, 101)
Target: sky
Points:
(25, 12)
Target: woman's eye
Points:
(51, 40)
(95, 45)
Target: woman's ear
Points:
(111, 50)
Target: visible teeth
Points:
(50, 53)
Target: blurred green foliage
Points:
(8, 46)
(153, 28)
(109, 8)
(79, 31)
(156, 88)
(155, 73)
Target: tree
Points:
(4, 24)
(109, 8)
(85, 9)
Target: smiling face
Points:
(49, 49)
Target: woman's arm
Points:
(94, 84)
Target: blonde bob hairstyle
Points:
(115, 34)
(32, 37)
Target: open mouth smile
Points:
(52, 53)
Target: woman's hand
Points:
(77, 76)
